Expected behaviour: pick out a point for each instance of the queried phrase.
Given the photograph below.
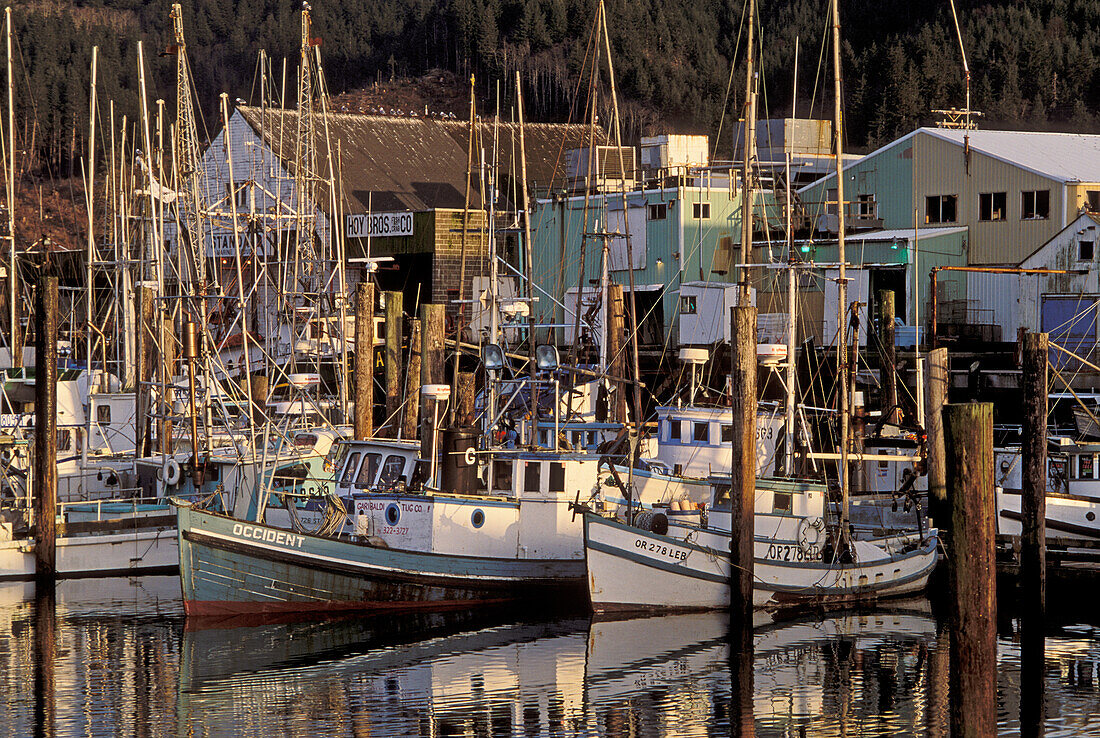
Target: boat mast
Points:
(13, 273)
(792, 399)
(744, 293)
(842, 284)
(633, 304)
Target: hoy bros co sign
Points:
(362, 225)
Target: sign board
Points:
(362, 225)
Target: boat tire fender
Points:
(172, 472)
(810, 534)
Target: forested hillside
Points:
(1033, 62)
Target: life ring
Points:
(810, 533)
(172, 473)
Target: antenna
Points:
(954, 118)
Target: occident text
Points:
(278, 537)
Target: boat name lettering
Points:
(405, 506)
(785, 552)
(661, 549)
(266, 535)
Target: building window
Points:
(1035, 204)
(700, 210)
(1093, 197)
(688, 305)
(830, 201)
(1085, 250)
(242, 194)
(658, 211)
(992, 205)
(940, 208)
(867, 206)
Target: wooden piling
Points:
(45, 429)
(465, 411)
(968, 437)
(1034, 451)
(394, 373)
(143, 375)
(169, 354)
(889, 363)
(616, 355)
(364, 360)
(743, 466)
(432, 323)
(257, 395)
(742, 503)
(412, 382)
(1033, 551)
(936, 398)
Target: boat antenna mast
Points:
(953, 117)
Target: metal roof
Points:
(397, 163)
(1065, 157)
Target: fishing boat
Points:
(670, 564)
(1072, 494)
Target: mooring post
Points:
(394, 374)
(169, 353)
(1033, 550)
(145, 349)
(412, 382)
(616, 354)
(465, 408)
(936, 398)
(432, 323)
(968, 437)
(45, 430)
(364, 361)
(889, 363)
(742, 505)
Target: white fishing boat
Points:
(670, 565)
(1072, 495)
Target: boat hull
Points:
(228, 566)
(1067, 516)
(121, 553)
(630, 569)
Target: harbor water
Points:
(118, 657)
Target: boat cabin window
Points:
(369, 470)
(502, 475)
(782, 502)
(294, 471)
(578, 436)
(350, 468)
(103, 414)
(391, 470)
(557, 477)
(531, 476)
(727, 433)
(305, 440)
(335, 455)
(1086, 466)
(702, 432)
(674, 430)
(64, 440)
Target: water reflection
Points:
(127, 662)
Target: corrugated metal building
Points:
(1013, 189)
